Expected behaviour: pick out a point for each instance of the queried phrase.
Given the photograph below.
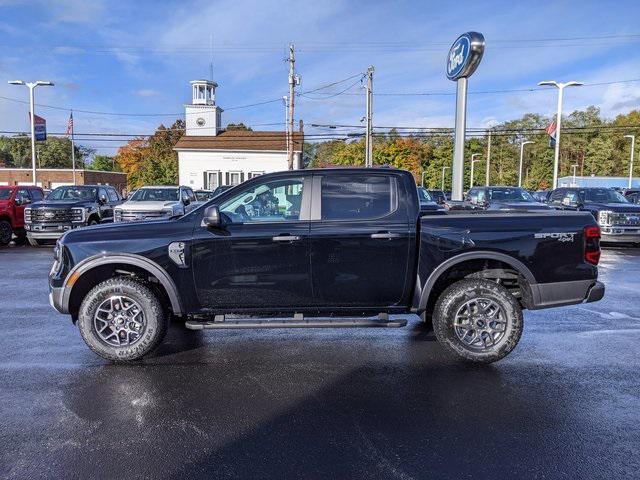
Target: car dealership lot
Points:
(375, 403)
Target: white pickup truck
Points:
(154, 203)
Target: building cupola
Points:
(202, 116)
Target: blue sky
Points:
(138, 57)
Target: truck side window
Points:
(36, 195)
(481, 196)
(113, 196)
(358, 197)
(472, 196)
(23, 195)
(556, 196)
(273, 201)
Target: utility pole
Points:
(368, 141)
(293, 81)
(32, 86)
(560, 87)
(633, 147)
(488, 158)
(574, 167)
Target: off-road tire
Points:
(157, 321)
(457, 295)
(93, 221)
(6, 232)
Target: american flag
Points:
(551, 129)
(70, 125)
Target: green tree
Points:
(104, 163)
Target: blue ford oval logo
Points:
(465, 55)
(458, 56)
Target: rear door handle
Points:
(286, 238)
(385, 236)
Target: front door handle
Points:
(286, 238)
(385, 236)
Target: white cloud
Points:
(147, 92)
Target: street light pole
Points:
(560, 87)
(473, 161)
(32, 86)
(443, 170)
(422, 183)
(633, 147)
(522, 144)
(574, 166)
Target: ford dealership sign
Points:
(465, 55)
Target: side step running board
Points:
(298, 321)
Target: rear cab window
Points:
(358, 197)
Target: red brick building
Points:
(56, 177)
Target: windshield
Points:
(510, 195)
(5, 193)
(603, 195)
(73, 193)
(424, 195)
(155, 195)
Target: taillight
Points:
(592, 244)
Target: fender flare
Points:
(139, 261)
(463, 257)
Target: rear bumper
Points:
(548, 295)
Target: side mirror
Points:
(212, 217)
(185, 200)
(103, 199)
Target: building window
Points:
(212, 179)
(234, 178)
(255, 174)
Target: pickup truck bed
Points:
(325, 243)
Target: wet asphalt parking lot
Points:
(356, 403)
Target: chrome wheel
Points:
(480, 324)
(119, 321)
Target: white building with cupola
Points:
(210, 156)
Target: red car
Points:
(13, 199)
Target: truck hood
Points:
(614, 207)
(62, 204)
(145, 206)
(430, 206)
(518, 206)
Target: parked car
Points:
(13, 201)
(541, 196)
(316, 243)
(427, 203)
(152, 203)
(67, 208)
(438, 196)
(619, 219)
(203, 195)
(220, 189)
(633, 195)
(502, 199)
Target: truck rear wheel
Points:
(6, 232)
(478, 320)
(122, 320)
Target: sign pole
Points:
(33, 135)
(73, 150)
(457, 171)
(464, 57)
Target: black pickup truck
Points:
(324, 248)
(69, 207)
(618, 218)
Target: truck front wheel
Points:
(6, 232)
(478, 320)
(122, 320)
